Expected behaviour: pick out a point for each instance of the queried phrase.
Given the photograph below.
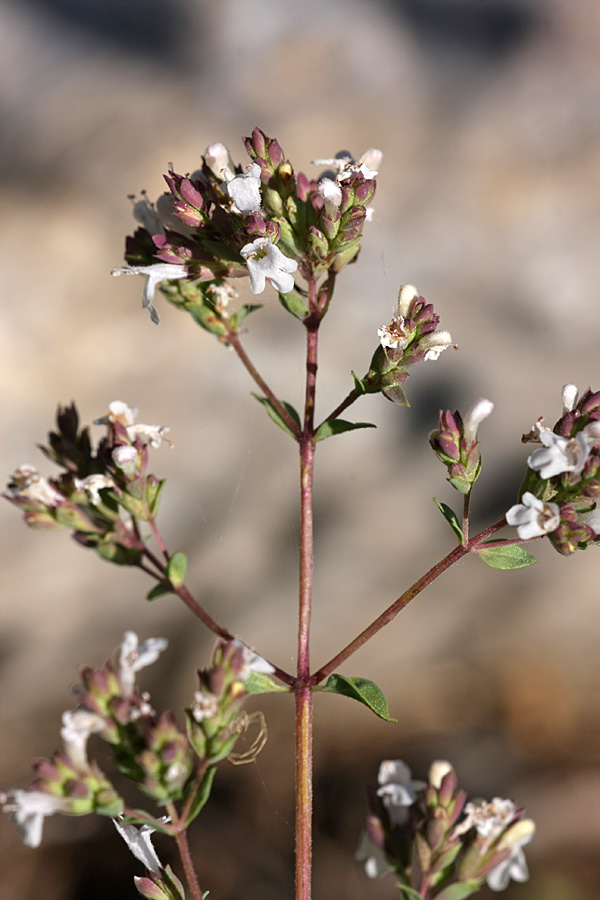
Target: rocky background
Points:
(488, 112)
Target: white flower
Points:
(265, 260)
(374, 858)
(92, 484)
(132, 657)
(156, 273)
(397, 789)
(331, 193)
(438, 771)
(205, 706)
(406, 299)
(343, 164)
(569, 397)
(533, 517)
(393, 335)
(153, 435)
(435, 343)
(28, 809)
(138, 841)
(559, 454)
(218, 159)
(474, 417)
(489, 819)
(244, 190)
(515, 867)
(118, 411)
(125, 458)
(252, 662)
(77, 726)
(27, 482)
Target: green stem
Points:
(392, 611)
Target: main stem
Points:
(303, 691)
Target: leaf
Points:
(450, 517)
(331, 427)
(206, 318)
(460, 890)
(295, 304)
(361, 689)
(258, 683)
(510, 557)
(176, 569)
(245, 310)
(159, 590)
(202, 794)
(118, 554)
(274, 415)
(408, 892)
(359, 383)
(142, 819)
(154, 489)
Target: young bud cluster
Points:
(411, 337)
(456, 445)
(559, 493)
(414, 829)
(101, 490)
(264, 222)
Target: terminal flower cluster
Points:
(432, 840)
(265, 222)
(559, 494)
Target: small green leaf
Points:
(159, 590)
(258, 683)
(359, 383)
(176, 569)
(274, 415)
(245, 310)
(136, 507)
(408, 892)
(116, 553)
(295, 304)
(361, 689)
(338, 426)
(154, 489)
(144, 818)
(460, 890)
(202, 794)
(450, 517)
(206, 318)
(510, 557)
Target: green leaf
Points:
(116, 553)
(450, 517)
(206, 318)
(258, 683)
(361, 689)
(176, 569)
(136, 507)
(295, 304)
(143, 819)
(408, 892)
(202, 794)
(460, 890)
(510, 557)
(159, 590)
(274, 415)
(245, 310)
(154, 489)
(359, 383)
(338, 426)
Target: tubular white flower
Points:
(147, 215)
(372, 158)
(474, 417)
(125, 458)
(489, 819)
(77, 726)
(406, 298)
(533, 517)
(118, 411)
(331, 193)
(438, 771)
(515, 867)
(374, 858)
(393, 335)
(27, 482)
(218, 159)
(265, 260)
(153, 435)
(92, 484)
(435, 343)
(244, 190)
(29, 809)
(156, 273)
(559, 454)
(138, 841)
(397, 789)
(569, 397)
(252, 662)
(132, 657)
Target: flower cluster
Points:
(410, 338)
(414, 829)
(264, 222)
(559, 493)
(456, 445)
(101, 490)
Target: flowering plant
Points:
(296, 234)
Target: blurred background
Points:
(488, 113)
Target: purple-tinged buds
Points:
(456, 445)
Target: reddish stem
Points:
(180, 835)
